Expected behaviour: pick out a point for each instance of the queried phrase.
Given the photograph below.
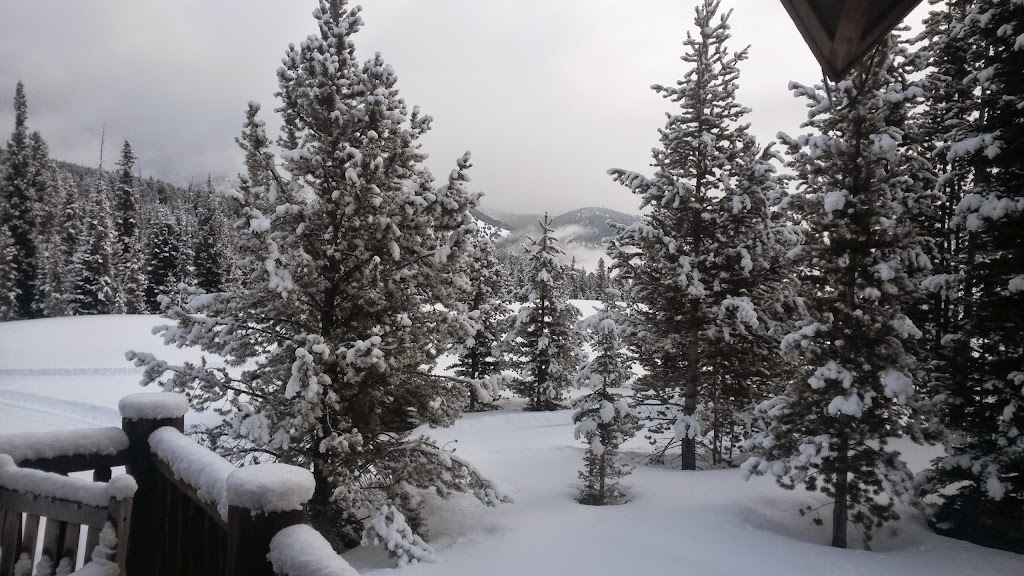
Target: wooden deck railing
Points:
(185, 519)
(48, 515)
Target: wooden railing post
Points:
(141, 415)
(262, 500)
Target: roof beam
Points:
(841, 32)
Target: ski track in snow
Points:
(26, 412)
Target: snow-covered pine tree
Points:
(948, 59)
(603, 418)
(601, 284)
(745, 368)
(44, 186)
(211, 251)
(854, 391)
(163, 259)
(254, 183)
(573, 282)
(487, 310)
(337, 319)
(979, 383)
(187, 224)
(53, 276)
(8, 286)
(59, 249)
(693, 274)
(92, 287)
(543, 342)
(17, 203)
(128, 255)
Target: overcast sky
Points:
(547, 94)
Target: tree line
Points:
(79, 241)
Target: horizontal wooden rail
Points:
(66, 510)
(77, 463)
(36, 496)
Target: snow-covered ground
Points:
(62, 373)
(71, 372)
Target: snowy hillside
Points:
(492, 228)
(580, 232)
(70, 372)
(584, 227)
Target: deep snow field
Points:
(70, 372)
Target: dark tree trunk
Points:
(840, 512)
(689, 455)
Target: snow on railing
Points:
(204, 471)
(270, 488)
(300, 550)
(249, 506)
(49, 485)
(45, 445)
(153, 406)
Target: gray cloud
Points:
(546, 94)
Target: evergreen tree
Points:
(855, 386)
(163, 260)
(336, 320)
(486, 309)
(128, 250)
(44, 185)
(948, 58)
(601, 278)
(603, 417)
(8, 286)
(698, 261)
(59, 249)
(92, 289)
(211, 255)
(187, 225)
(17, 202)
(574, 285)
(543, 342)
(54, 278)
(131, 274)
(980, 373)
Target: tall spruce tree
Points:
(92, 289)
(46, 187)
(860, 195)
(543, 342)
(17, 203)
(163, 260)
(128, 269)
(603, 418)
(948, 59)
(211, 251)
(696, 260)
(346, 253)
(980, 378)
(59, 249)
(486, 309)
(601, 283)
